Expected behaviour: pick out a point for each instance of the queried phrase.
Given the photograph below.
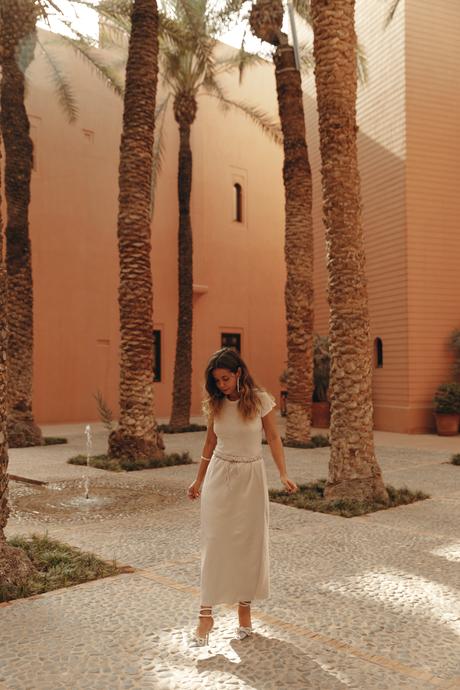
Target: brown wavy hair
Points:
(249, 403)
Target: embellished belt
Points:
(236, 458)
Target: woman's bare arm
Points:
(208, 449)
(277, 450)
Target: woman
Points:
(234, 496)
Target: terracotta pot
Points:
(321, 415)
(447, 424)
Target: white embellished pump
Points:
(242, 631)
(202, 640)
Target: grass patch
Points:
(54, 440)
(58, 565)
(455, 459)
(316, 441)
(311, 497)
(103, 462)
(168, 429)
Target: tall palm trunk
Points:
(185, 108)
(137, 436)
(15, 567)
(266, 20)
(18, 20)
(353, 469)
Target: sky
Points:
(85, 21)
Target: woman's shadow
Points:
(268, 663)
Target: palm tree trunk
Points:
(15, 567)
(137, 436)
(265, 19)
(353, 470)
(18, 21)
(185, 112)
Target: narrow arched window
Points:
(237, 202)
(378, 353)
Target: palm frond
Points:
(391, 13)
(226, 17)
(240, 61)
(63, 90)
(302, 7)
(307, 61)
(116, 12)
(106, 72)
(269, 126)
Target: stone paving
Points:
(370, 602)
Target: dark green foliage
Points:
(455, 347)
(168, 429)
(58, 565)
(54, 440)
(317, 441)
(455, 460)
(447, 398)
(103, 462)
(311, 497)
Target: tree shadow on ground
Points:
(268, 663)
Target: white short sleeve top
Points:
(237, 436)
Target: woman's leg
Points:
(244, 613)
(205, 620)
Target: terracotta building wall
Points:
(433, 199)
(75, 261)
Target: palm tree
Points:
(353, 470)
(15, 567)
(266, 19)
(18, 20)
(137, 436)
(189, 68)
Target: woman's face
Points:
(225, 380)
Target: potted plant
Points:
(321, 414)
(447, 409)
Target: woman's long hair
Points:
(248, 404)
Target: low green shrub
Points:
(54, 440)
(103, 462)
(168, 429)
(455, 460)
(316, 441)
(58, 565)
(311, 497)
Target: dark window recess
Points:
(157, 355)
(237, 203)
(378, 353)
(231, 340)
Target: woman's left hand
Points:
(290, 486)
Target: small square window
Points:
(231, 340)
(157, 355)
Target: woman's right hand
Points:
(193, 490)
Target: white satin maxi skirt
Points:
(234, 530)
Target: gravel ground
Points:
(370, 602)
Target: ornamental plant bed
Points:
(316, 441)
(103, 462)
(57, 565)
(168, 429)
(54, 440)
(311, 497)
